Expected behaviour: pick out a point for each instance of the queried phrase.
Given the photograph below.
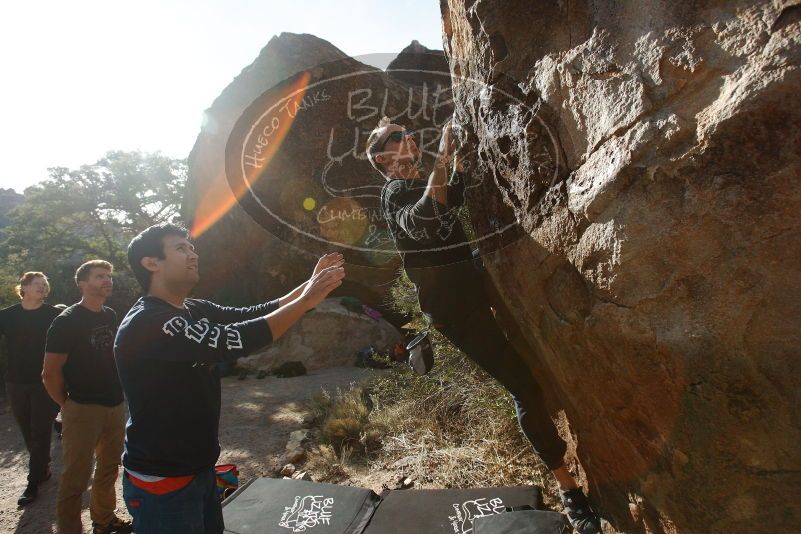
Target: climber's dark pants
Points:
(477, 335)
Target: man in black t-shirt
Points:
(167, 349)
(421, 215)
(80, 375)
(24, 327)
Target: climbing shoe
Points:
(581, 516)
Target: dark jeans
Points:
(194, 508)
(473, 330)
(34, 411)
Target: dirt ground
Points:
(257, 418)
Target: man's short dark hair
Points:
(83, 272)
(149, 244)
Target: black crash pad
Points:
(522, 522)
(283, 506)
(447, 511)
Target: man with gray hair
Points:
(421, 215)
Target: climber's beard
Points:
(408, 166)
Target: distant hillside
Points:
(9, 199)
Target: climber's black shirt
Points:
(432, 243)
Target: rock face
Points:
(651, 153)
(328, 336)
(278, 175)
(245, 261)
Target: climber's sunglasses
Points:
(395, 136)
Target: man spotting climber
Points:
(166, 351)
(421, 215)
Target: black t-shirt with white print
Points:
(87, 338)
(433, 245)
(166, 360)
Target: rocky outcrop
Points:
(245, 261)
(278, 175)
(328, 336)
(651, 153)
(419, 66)
(9, 199)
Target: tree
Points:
(91, 213)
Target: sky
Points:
(82, 78)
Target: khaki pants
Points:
(89, 430)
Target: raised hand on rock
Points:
(447, 144)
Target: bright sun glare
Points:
(82, 78)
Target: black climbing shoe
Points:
(28, 496)
(581, 516)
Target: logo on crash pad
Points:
(466, 512)
(307, 512)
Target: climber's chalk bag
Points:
(421, 354)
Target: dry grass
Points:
(455, 427)
(326, 464)
(344, 422)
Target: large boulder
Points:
(241, 260)
(278, 175)
(651, 153)
(328, 336)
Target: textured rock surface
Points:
(329, 336)
(651, 152)
(260, 233)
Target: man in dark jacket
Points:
(421, 215)
(166, 350)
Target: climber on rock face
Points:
(420, 211)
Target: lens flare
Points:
(220, 197)
(342, 221)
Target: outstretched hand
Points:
(321, 284)
(334, 259)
